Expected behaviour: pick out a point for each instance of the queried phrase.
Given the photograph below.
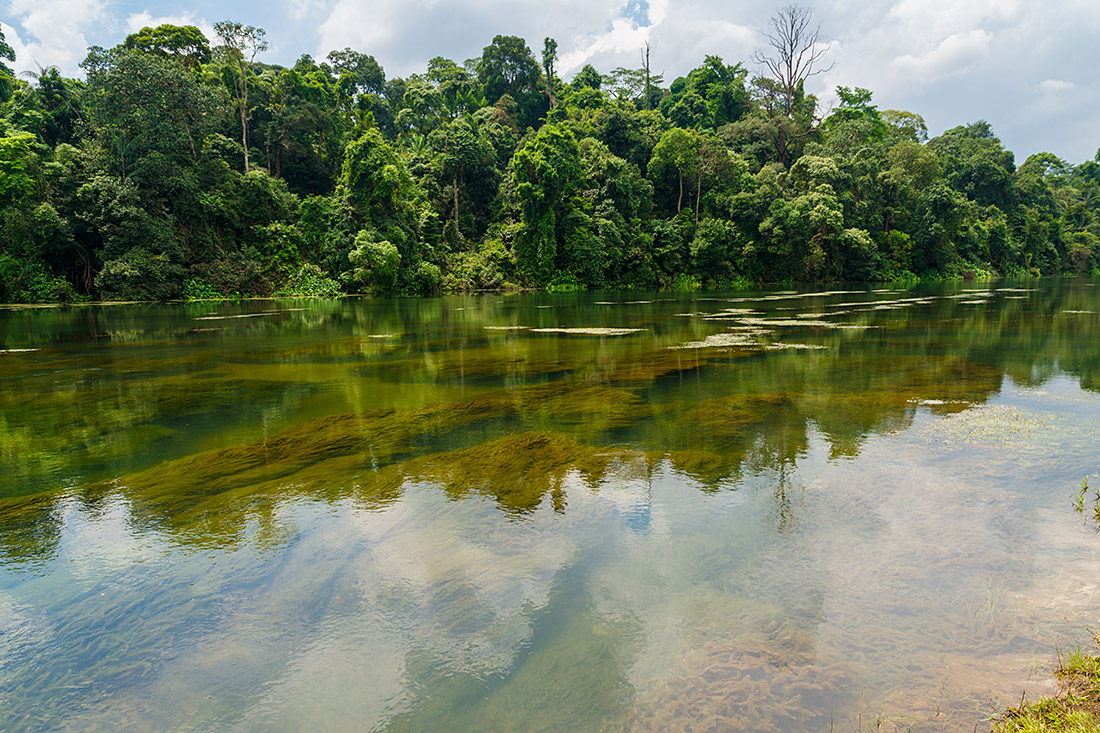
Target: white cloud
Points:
(57, 28)
(1053, 86)
(622, 37)
(954, 55)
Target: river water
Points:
(837, 509)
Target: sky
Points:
(1025, 66)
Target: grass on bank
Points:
(1075, 708)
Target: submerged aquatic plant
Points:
(1082, 500)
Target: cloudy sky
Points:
(1026, 67)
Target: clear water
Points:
(742, 511)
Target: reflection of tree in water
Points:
(740, 411)
(569, 427)
(29, 538)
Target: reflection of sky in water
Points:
(750, 536)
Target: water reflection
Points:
(427, 514)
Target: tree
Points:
(708, 97)
(589, 78)
(365, 72)
(905, 125)
(507, 67)
(7, 76)
(544, 173)
(186, 43)
(549, 56)
(794, 51)
(456, 84)
(855, 106)
(647, 101)
(241, 43)
(678, 150)
(144, 106)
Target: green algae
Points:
(516, 471)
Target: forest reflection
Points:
(522, 528)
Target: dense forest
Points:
(181, 166)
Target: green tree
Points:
(7, 76)
(186, 43)
(240, 44)
(678, 152)
(549, 58)
(587, 78)
(710, 96)
(17, 182)
(544, 174)
(365, 72)
(507, 67)
(376, 264)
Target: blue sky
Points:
(1027, 68)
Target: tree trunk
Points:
(680, 200)
(698, 192)
(244, 113)
(454, 185)
(190, 139)
(244, 136)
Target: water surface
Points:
(756, 510)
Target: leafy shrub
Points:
(139, 275)
(309, 282)
(490, 266)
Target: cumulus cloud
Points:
(1053, 86)
(404, 34)
(53, 31)
(954, 55)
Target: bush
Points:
(490, 266)
(309, 282)
(198, 289)
(138, 275)
(26, 281)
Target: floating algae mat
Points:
(835, 508)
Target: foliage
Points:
(178, 167)
(309, 282)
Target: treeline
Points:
(179, 168)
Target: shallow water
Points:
(747, 511)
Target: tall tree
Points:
(647, 101)
(367, 75)
(242, 43)
(7, 76)
(549, 57)
(187, 43)
(507, 67)
(794, 52)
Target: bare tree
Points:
(793, 51)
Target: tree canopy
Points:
(179, 168)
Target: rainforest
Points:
(181, 167)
